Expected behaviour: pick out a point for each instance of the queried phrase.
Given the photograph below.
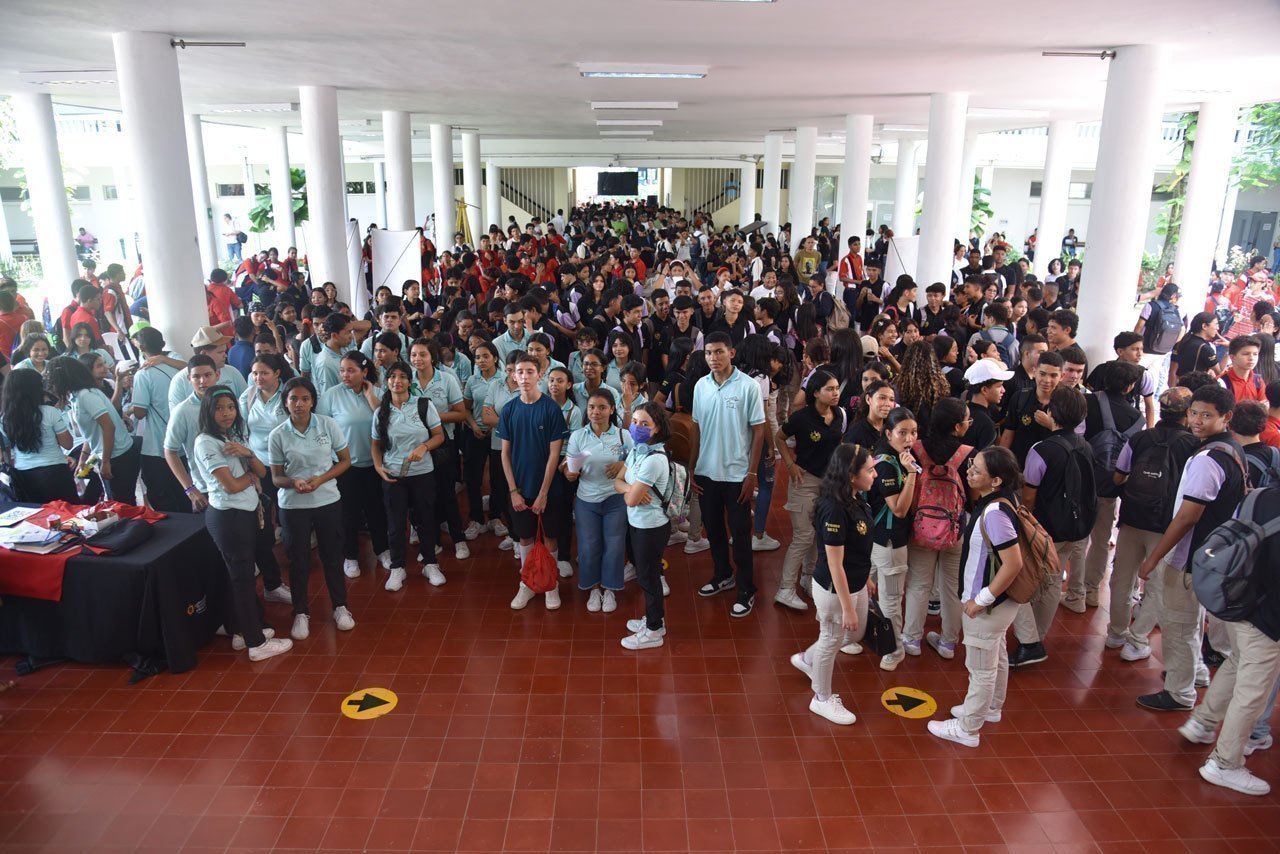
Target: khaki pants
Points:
(987, 659)
(802, 553)
(1239, 691)
(1180, 625)
(1132, 547)
(890, 566)
(1035, 619)
(1086, 575)
(923, 566)
(822, 655)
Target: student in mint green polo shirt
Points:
(323, 369)
(728, 417)
(104, 431)
(151, 408)
(444, 390)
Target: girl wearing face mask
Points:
(643, 483)
(890, 499)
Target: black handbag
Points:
(879, 635)
(122, 538)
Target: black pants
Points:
(475, 453)
(234, 532)
(565, 526)
(164, 492)
(445, 459)
(46, 483)
(647, 545)
(93, 486)
(499, 497)
(720, 504)
(123, 485)
(361, 490)
(298, 526)
(264, 547)
(419, 492)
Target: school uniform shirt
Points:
(476, 393)
(405, 431)
(324, 369)
(306, 455)
(575, 367)
(725, 414)
(1214, 478)
(1123, 414)
(932, 324)
(611, 446)
(581, 394)
(180, 437)
(87, 406)
(444, 391)
(151, 392)
(1021, 419)
(982, 431)
(209, 456)
(48, 452)
(350, 410)
(26, 364)
(500, 394)
(815, 439)
(506, 344)
(863, 434)
(976, 568)
(648, 464)
(836, 524)
(1193, 353)
(888, 530)
(180, 386)
(461, 368)
(1045, 471)
(573, 419)
(261, 417)
(531, 428)
(367, 346)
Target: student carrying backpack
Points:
(1039, 556)
(1264, 465)
(1106, 446)
(679, 493)
(1068, 513)
(1162, 329)
(938, 519)
(1226, 571)
(1007, 346)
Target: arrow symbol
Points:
(905, 702)
(367, 702)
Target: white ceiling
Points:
(509, 67)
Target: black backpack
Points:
(1069, 515)
(1106, 446)
(1152, 488)
(1225, 570)
(1264, 473)
(1163, 327)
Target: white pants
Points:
(890, 566)
(987, 659)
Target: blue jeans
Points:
(602, 538)
(235, 252)
(764, 490)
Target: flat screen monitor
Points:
(618, 183)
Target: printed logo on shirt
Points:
(1026, 420)
(729, 402)
(815, 437)
(862, 528)
(835, 527)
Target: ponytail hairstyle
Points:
(837, 480)
(384, 408)
(205, 420)
(1001, 463)
(864, 404)
(365, 364)
(817, 380)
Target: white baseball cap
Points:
(984, 371)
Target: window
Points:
(457, 178)
(370, 187)
(110, 192)
(229, 189)
(13, 194)
(786, 179)
(1075, 190)
(356, 188)
(80, 193)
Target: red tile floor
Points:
(535, 731)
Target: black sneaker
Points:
(1210, 656)
(935, 607)
(743, 606)
(1028, 653)
(712, 587)
(1162, 701)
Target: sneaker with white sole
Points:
(500, 530)
(472, 531)
(433, 574)
(270, 647)
(301, 627)
(911, 647)
(595, 600)
(1114, 641)
(281, 595)
(892, 660)
(790, 599)
(852, 648)
(666, 588)
(342, 619)
(806, 584)
(941, 647)
(992, 716)
(677, 537)
(396, 580)
(952, 731)
(798, 662)
(237, 641)
(439, 548)
(711, 588)
(764, 543)
(413, 536)
(553, 599)
(461, 550)
(1197, 733)
(523, 597)
(628, 572)
(743, 606)
(1255, 744)
(1129, 652)
(644, 639)
(384, 558)
(696, 544)
(608, 602)
(566, 568)
(507, 544)
(1238, 779)
(833, 710)
(639, 624)
(351, 568)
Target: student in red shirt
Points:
(11, 321)
(1240, 377)
(89, 298)
(221, 298)
(1271, 433)
(851, 264)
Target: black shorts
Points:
(524, 523)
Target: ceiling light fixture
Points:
(626, 133)
(904, 128)
(631, 122)
(282, 107)
(63, 78)
(1083, 54)
(642, 71)
(635, 105)
(1002, 113)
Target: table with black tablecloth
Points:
(151, 608)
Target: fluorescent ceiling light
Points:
(632, 122)
(904, 129)
(1002, 113)
(252, 108)
(742, 1)
(642, 70)
(626, 133)
(355, 123)
(635, 105)
(62, 78)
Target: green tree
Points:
(261, 215)
(1257, 166)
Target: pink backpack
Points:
(938, 519)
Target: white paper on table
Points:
(16, 514)
(575, 461)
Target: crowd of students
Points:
(633, 380)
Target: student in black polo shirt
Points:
(890, 498)
(732, 321)
(933, 316)
(1026, 421)
(1196, 352)
(986, 382)
(878, 400)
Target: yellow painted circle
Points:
(909, 702)
(368, 703)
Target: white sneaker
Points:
(1255, 744)
(473, 530)
(609, 602)
(766, 543)
(396, 580)
(694, 545)
(351, 568)
(911, 647)
(566, 568)
(677, 537)
(798, 662)
(237, 641)
(644, 639)
(301, 627)
(942, 648)
(891, 661)
(553, 599)
(1202, 675)
(507, 544)
(993, 716)
(952, 731)
(1114, 641)
(1240, 779)
(461, 550)
(639, 624)
(269, 648)
(1197, 733)
(666, 588)
(433, 574)
(628, 573)
(790, 599)
(342, 619)
(384, 558)
(852, 649)
(499, 529)
(523, 597)
(439, 548)
(594, 601)
(806, 584)
(413, 536)
(282, 595)
(1129, 652)
(833, 710)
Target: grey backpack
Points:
(1225, 570)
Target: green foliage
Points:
(23, 269)
(261, 216)
(981, 211)
(1258, 164)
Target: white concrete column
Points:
(1206, 190)
(471, 184)
(746, 194)
(155, 139)
(6, 248)
(322, 154)
(397, 136)
(803, 175)
(941, 187)
(281, 189)
(442, 184)
(904, 187)
(492, 196)
(964, 196)
(855, 178)
(1224, 229)
(48, 192)
(206, 233)
(771, 193)
(1121, 203)
(380, 192)
(1051, 226)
